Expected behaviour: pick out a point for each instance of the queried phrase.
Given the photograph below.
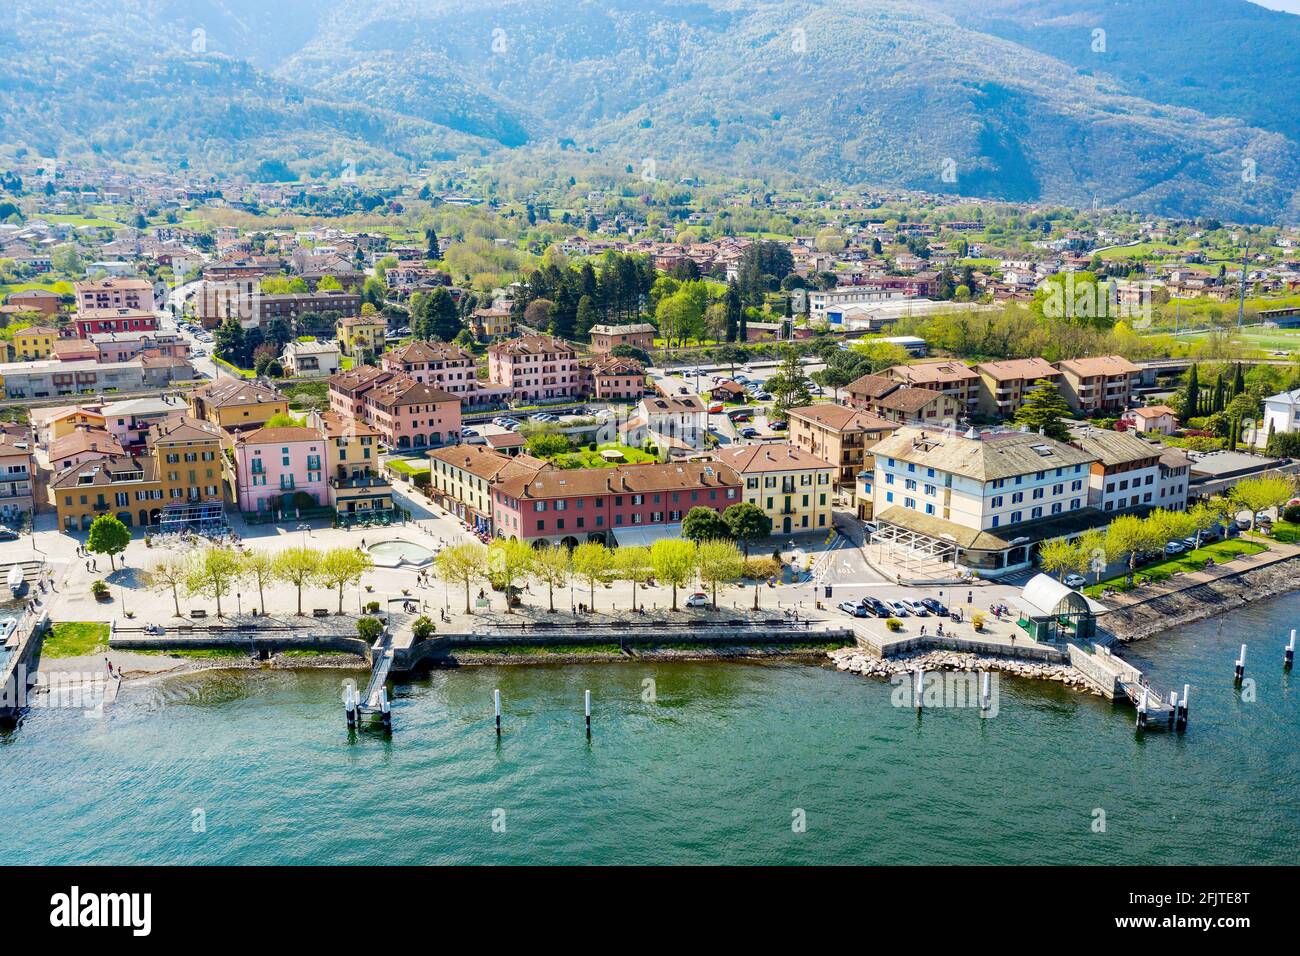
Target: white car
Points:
(1075, 581)
(698, 599)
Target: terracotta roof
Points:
(183, 428)
(872, 386)
(1153, 411)
(947, 372)
(755, 459)
(359, 378)
(505, 440)
(487, 464)
(688, 403)
(911, 400)
(279, 434)
(842, 418)
(403, 390)
(532, 345)
(236, 391)
(84, 440)
(335, 425)
(421, 351)
(1100, 365)
(1031, 369)
(100, 472)
(625, 479)
(611, 365)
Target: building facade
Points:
(794, 488)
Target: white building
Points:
(822, 300)
(1281, 414)
(981, 499)
(1126, 474)
(310, 359)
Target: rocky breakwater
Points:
(856, 661)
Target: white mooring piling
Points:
(350, 706)
(496, 702)
(1142, 711)
(918, 686)
(385, 712)
(586, 709)
(985, 697)
(1181, 721)
(1239, 671)
(1173, 708)
(1288, 658)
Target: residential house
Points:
(953, 378)
(440, 364)
(310, 359)
(1125, 473)
(461, 478)
(640, 335)
(1101, 384)
(362, 334)
(278, 470)
(132, 295)
(493, 322)
(535, 367)
(1160, 419)
(635, 504)
(236, 405)
(84, 444)
(34, 342)
(794, 488)
(838, 435)
(675, 425)
(980, 499)
(356, 485)
(1281, 413)
(17, 476)
(1004, 385)
(98, 321)
(609, 378)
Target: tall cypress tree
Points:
(1192, 404)
(735, 311)
(1238, 382)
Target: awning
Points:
(646, 534)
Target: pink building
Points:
(272, 466)
(448, 367)
(406, 413)
(634, 503)
(535, 367)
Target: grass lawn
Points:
(591, 459)
(75, 639)
(409, 466)
(1283, 531)
(1221, 551)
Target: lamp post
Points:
(239, 604)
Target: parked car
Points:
(898, 607)
(698, 599)
(8, 534)
(1175, 547)
(853, 608)
(1075, 581)
(468, 433)
(916, 607)
(764, 396)
(935, 605)
(1190, 542)
(778, 426)
(715, 408)
(749, 433)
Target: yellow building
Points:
(51, 424)
(236, 405)
(794, 488)
(361, 333)
(461, 479)
(492, 322)
(352, 460)
(175, 485)
(34, 343)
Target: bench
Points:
(320, 612)
(198, 613)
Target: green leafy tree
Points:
(1253, 494)
(1128, 536)
(552, 567)
(108, 536)
(719, 561)
(299, 567)
(704, 524)
(592, 562)
(170, 574)
(674, 562)
(1043, 410)
(508, 563)
(462, 564)
(213, 574)
(258, 569)
(748, 523)
(633, 564)
(340, 567)
(1061, 557)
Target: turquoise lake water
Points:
(715, 770)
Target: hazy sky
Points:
(1290, 6)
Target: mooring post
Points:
(1173, 708)
(1289, 657)
(385, 712)
(918, 685)
(496, 700)
(985, 699)
(1182, 707)
(350, 706)
(1142, 710)
(586, 707)
(1240, 670)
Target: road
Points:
(177, 299)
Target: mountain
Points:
(1183, 111)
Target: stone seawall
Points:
(1163, 612)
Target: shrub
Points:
(893, 623)
(760, 569)
(99, 589)
(1291, 514)
(369, 629)
(372, 607)
(423, 628)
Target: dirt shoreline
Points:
(1204, 601)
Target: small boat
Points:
(16, 580)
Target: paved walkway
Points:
(1277, 553)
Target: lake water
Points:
(714, 770)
